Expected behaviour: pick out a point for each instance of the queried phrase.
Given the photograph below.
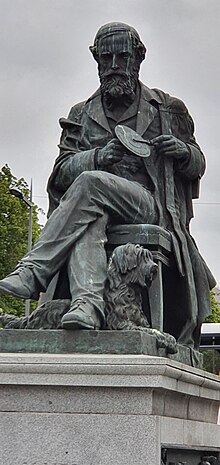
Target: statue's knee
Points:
(81, 183)
(89, 180)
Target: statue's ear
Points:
(93, 50)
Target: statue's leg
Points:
(87, 264)
(90, 196)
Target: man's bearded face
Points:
(118, 70)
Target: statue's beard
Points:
(116, 88)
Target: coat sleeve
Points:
(193, 167)
(73, 158)
(176, 120)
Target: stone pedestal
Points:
(81, 409)
(92, 342)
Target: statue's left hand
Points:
(170, 146)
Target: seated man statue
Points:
(96, 182)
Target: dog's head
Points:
(134, 262)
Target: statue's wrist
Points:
(187, 153)
(98, 158)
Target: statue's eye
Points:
(124, 55)
(106, 56)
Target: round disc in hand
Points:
(132, 141)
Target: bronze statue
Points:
(97, 182)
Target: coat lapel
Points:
(146, 111)
(94, 110)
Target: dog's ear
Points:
(135, 255)
(137, 266)
(125, 257)
(113, 275)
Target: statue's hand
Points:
(170, 146)
(112, 153)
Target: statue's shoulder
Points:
(73, 120)
(171, 103)
(75, 116)
(76, 111)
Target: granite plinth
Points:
(105, 409)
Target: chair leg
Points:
(49, 294)
(156, 300)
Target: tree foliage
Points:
(214, 317)
(211, 361)
(14, 220)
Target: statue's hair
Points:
(113, 28)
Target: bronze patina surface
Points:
(97, 182)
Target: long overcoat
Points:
(174, 184)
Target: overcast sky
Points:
(46, 67)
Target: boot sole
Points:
(76, 325)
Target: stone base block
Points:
(106, 410)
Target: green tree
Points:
(214, 317)
(211, 361)
(14, 218)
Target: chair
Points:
(152, 237)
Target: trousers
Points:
(75, 233)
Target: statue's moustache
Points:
(114, 74)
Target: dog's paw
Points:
(165, 341)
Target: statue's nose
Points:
(114, 62)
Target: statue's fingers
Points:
(113, 157)
(168, 143)
(112, 143)
(168, 151)
(168, 154)
(118, 146)
(170, 146)
(160, 139)
(115, 141)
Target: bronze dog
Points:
(131, 268)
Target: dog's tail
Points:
(8, 321)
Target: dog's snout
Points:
(154, 269)
(152, 272)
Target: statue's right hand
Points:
(112, 153)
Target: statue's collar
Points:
(145, 115)
(146, 93)
(149, 94)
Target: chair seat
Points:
(148, 235)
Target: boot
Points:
(81, 315)
(21, 283)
